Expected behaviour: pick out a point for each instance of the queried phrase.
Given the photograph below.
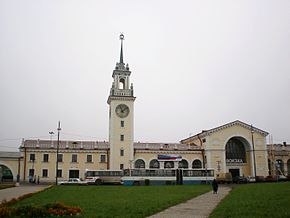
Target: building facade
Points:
(235, 147)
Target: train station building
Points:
(234, 147)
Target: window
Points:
(196, 164)
(74, 158)
(139, 164)
(59, 173)
(122, 123)
(32, 157)
(60, 157)
(122, 138)
(122, 152)
(89, 158)
(31, 172)
(154, 164)
(235, 151)
(45, 157)
(121, 166)
(103, 158)
(203, 140)
(44, 172)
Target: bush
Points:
(56, 209)
(4, 211)
(168, 183)
(147, 182)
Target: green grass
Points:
(117, 201)
(256, 200)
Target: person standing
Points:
(215, 186)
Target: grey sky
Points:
(195, 65)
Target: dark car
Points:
(240, 179)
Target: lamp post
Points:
(252, 133)
(57, 149)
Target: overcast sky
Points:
(195, 65)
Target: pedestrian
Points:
(38, 180)
(34, 179)
(30, 179)
(215, 186)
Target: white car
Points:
(73, 181)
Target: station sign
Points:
(234, 161)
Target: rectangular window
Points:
(89, 158)
(59, 173)
(122, 152)
(121, 166)
(74, 158)
(122, 137)
(60, 157)
(31, 172)
(103, 158)
(203, 140)
(122, 123)
(32, 157)
(45, 173)
(45, 157)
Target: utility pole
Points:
(57, 150)
(252, 132)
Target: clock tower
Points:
(121, 116)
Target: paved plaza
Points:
(15, 192)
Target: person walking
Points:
(215, 186)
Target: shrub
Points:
(4, 211)
(168, 183)
(56, 209)
(147, 181)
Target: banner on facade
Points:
(169, 157)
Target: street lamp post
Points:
(57, 150)
(252, 133)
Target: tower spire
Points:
(121, 53)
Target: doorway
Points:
(235, 172)
(74, 174)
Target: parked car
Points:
(73, 181)
(251, 179)
(282, 178)
(240, 179)
(224, 178)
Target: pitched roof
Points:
(219, 128)
(9, 154)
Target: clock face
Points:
(122, 110)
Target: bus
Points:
(99, 177)
(167, 176)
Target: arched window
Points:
(122, 84)
(5, 174)
(196, 164)
(235, 151)
(183, 164)
(168, 164)
(154, 164)
(139, 164)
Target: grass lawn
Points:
(256, 200)
(117, 201)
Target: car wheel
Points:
(98, 182)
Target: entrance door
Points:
(74, 174)
(234, 172)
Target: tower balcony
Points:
(122, 92)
